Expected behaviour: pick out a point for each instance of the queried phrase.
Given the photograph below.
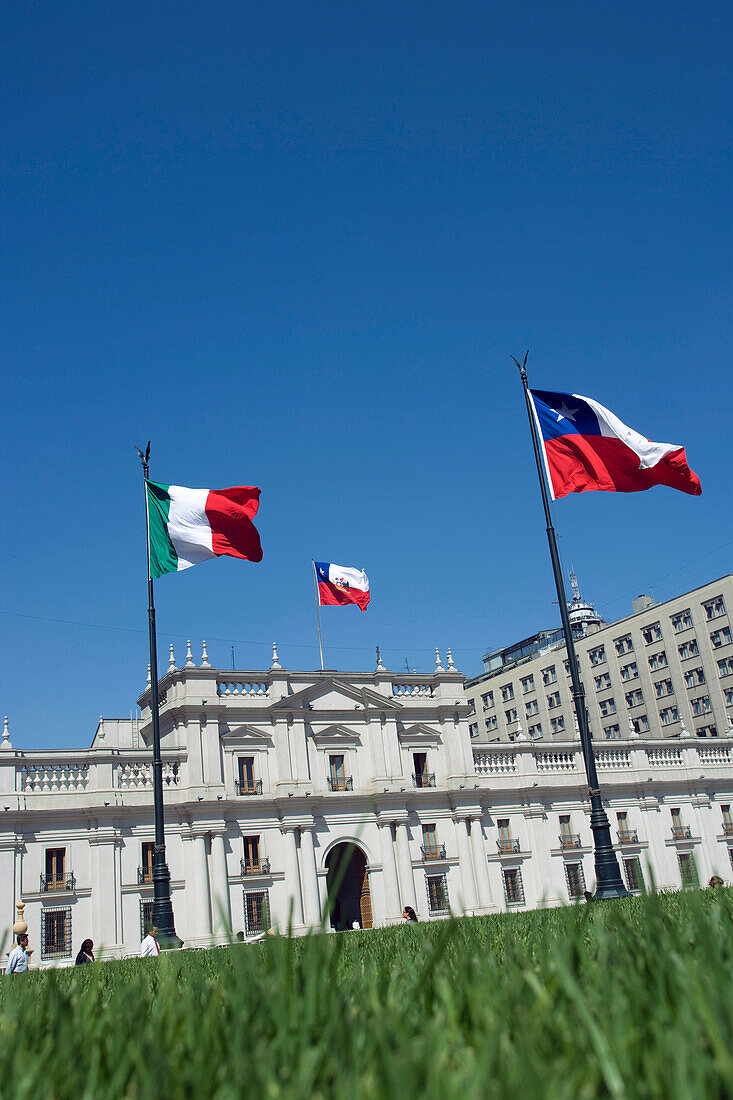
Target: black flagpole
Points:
(162, 908)
(608, 876)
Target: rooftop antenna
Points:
(407, 667)
(232, 658)
(574, 585)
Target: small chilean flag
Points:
(587, 447)
(341, 584)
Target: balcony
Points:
(628, 836)
(424, 779)
(249, 787)
(681, 832)
(145, 876)
(340, 783)
(53, 883)
(569, 840)
(728, 828)
(507, 846)
(433, 851)
(254, 867)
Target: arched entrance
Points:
(348, 887)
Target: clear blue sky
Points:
(294, 244)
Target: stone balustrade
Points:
(412, 689)
(242, 687)
(53, 776)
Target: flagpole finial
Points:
(275, 662)
(522, 366)
(171, 659)
(189, 655)
(204, 657)
(438, 665)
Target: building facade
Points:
(272, 778)
(662, 672)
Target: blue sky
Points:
(294, 245)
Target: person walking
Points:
(150, 945)
(86, 953)
(18, 958)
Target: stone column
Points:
(202, 918)
(480, 864)
(294, 910)
(310, 879)
(464, 864)
(221, 911)
(389, 872)
(407, 879)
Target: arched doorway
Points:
(348, 887)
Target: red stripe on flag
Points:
(230, 513)
(578, 462)
(328, 593)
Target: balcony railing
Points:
(340, 783)
(569, 840)
(52, 883)
(728, 828)
(254, 866)
(681, 832)
(507, 846)
(433, 851)
(254, 787)
(424, 779)
(628, 836)
(145, 876)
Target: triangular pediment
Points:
(336, 734)
(335, 694)
(419, 734)
(245, 735)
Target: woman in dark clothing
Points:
(86, 953)
(409, 913)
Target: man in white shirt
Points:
(18, 958)
(149, 946)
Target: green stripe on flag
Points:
(163, 558)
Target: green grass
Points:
(622, 999)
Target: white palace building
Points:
(267, 775)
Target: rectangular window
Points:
(535, 732)
(640, 724)
(676, 818)
(630, 671)
(575, 879)
(725, 812)
(473, 729)
(505, 834)
(491, 723)
(612, 733)
(694, 677)
(658, 661)
(714, 607)
(553, 699)
(688, 870)
(725, 666)
(681, 622)
(437, 888)
(721, 637)
(663, 687)
(531, 707)
(623, 823)
(247, 783)
(652, 633)
(251, 854)
(624, 645)
(728, 692)
(148, 851)
(55, 869)
(55, 933)
(669, 715)
(337, 775)
(511, 714)
(603, 681)
(549, 675)
(507, 693)
(146, 917)
(701, 705)
(487, 700)
(688, 649)
(707, 731)
(557, 725)
(634, 876)
(256, 912)
(597, 656)
(430, 840)
(634, 698)
(565, 827)
(513, 888)
(528, 684)
(608, 707)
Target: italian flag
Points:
(191, 525)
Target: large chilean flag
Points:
(587, 447)
(341, 584)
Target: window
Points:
(714, 607)
(430, 841)
(608, 707)
(727, 820)
(669, 715)
(701, 705)
(611, 732)
(473, 729)
(247, 782)
(634, 876)
(487, 700)
(507, 693)
(630, 671)
(557, 725)
(663, 687)
(624, 645)
(491, 723)
(565, 829)
(688, 649)
(640, 724)
(55, 933)
(535, 732)
(553, 699)
(423, 778)
(721, 637)
(694, 677)
(531, 707)
(511, 714)
(55, 869)
(528, 684)
(634, 698)
(597, 656)
(707, 731)
(623, 824)
(146, 869)
(256, 912)
(676, 819)
(603, 681)
(251, 854)
(505, 835)
(688, 870)
(437, 887)
(681, 622)
(337, 776)
(146, 917)
(549, 676)
(575, 879)
(658, 661)
(728, 692)
(725, 666)
(513, 889)
(652, 633)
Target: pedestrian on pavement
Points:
(18, 958)
(150, 945)
(86, 953)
